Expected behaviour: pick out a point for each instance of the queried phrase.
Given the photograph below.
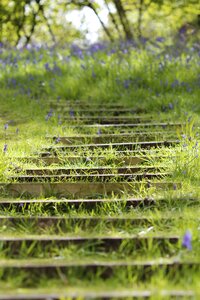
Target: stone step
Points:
(86, 104)
(91, 170)
(82, 189)
(102, 243)
(38, 294)
(119, 177)
(105, 269)
(97, 111)
(83, 222)
(107, 120)
(113, 138)
(67, 204)
(122, 159)
(115, 146)
(121, 126)
(107, 153)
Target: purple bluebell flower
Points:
(6, 126)
(47, 67)
(93, 74)
(76, 51)
(187, 240)
(71, 113)
(59, 120)
(183, 29)
(170, 105)
(57, 140)
(143, 40)
(125, 51)
(96, 47)
(56, 69)
(112, 51)
(68, 58)
(175, 83)
(49, 115)
(5, 148)
(160, 39)
(127, 83)
(99, 131)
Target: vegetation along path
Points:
(99, 197)
(100, 210)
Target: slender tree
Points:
(124, 19)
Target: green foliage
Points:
(163, 82)
(22, 21)
(36, 21)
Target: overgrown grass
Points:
(161, 82)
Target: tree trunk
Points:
(124, 20)
(90, 5)
(113, 19)
(140, 12)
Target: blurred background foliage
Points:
(34, 21)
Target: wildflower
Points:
(5, 148)
(76, 51)
(143, 40)
(187, 239)
(127, 83)
(59, 120)
(67, 58)
(6, 126)
(125, 51)
(93, 74)
(56, 69)
(160, 39)
(49, 115)
(57, 140)
(71, 113)
(47, 67)
(99, 131)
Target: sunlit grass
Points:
(162, 85)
